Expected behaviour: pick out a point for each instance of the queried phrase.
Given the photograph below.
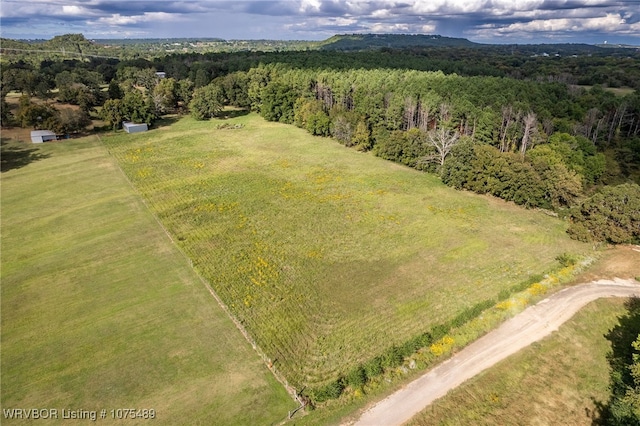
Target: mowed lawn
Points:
(560, 380)
(329, 256)
(101, 311)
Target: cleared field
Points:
(329, 256)
(560, 380)
(101, 311)
(618, 91)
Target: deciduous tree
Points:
(165, 95)
(206, 102)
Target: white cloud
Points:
(310, 6)
(321, 24)
(429, 28)
(73, 10)
(388, 28)
(120, 20)
(489, 20)
(381, 14)
(454, 7)
(560, 27)
(604, 23)
(19, 9)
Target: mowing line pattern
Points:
(327, 256)
(100, 310)
(211, 291)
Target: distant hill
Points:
(71, 42)
(177, 40)
(66, 46)
(7, 43)
(394, 41)
(619, 46)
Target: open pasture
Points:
(101, 311)
(329, 256)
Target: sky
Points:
(482, 21)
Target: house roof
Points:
(42, 133)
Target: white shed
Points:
(130, 127)
(39, 136)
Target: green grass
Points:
(329, 256)
(559, 380)
(100, 309)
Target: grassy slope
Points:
(329, 256)
(100, 310)
(556, 381)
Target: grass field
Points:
(329, 256)
(618, 91)
(559, 380)
(101, 311)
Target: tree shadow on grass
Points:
(14, 155)
(620, 358)
(233, 113)
(166, 120)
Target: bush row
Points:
(394, 356)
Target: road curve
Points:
(530, 325)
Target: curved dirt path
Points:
(530, 325)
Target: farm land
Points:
(262, 210)
(101, 311)
(350, 274)
(326, 255)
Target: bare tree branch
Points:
(443, 141)
(530, 122)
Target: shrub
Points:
(392, 357)
(373, 368)
(567, 259)
(471, 313)
(438, 331)
(331, 390)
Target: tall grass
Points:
(328, 256)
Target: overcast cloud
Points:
(485, 21)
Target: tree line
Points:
(537, 143)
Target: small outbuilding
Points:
(39, 136)
(130, 127)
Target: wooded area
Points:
(539, 130)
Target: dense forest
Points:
(541, 126)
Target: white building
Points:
(39, 136)
(130, 127)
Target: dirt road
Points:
(531, 325)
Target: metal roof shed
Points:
(130, 127)
(39, 136)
